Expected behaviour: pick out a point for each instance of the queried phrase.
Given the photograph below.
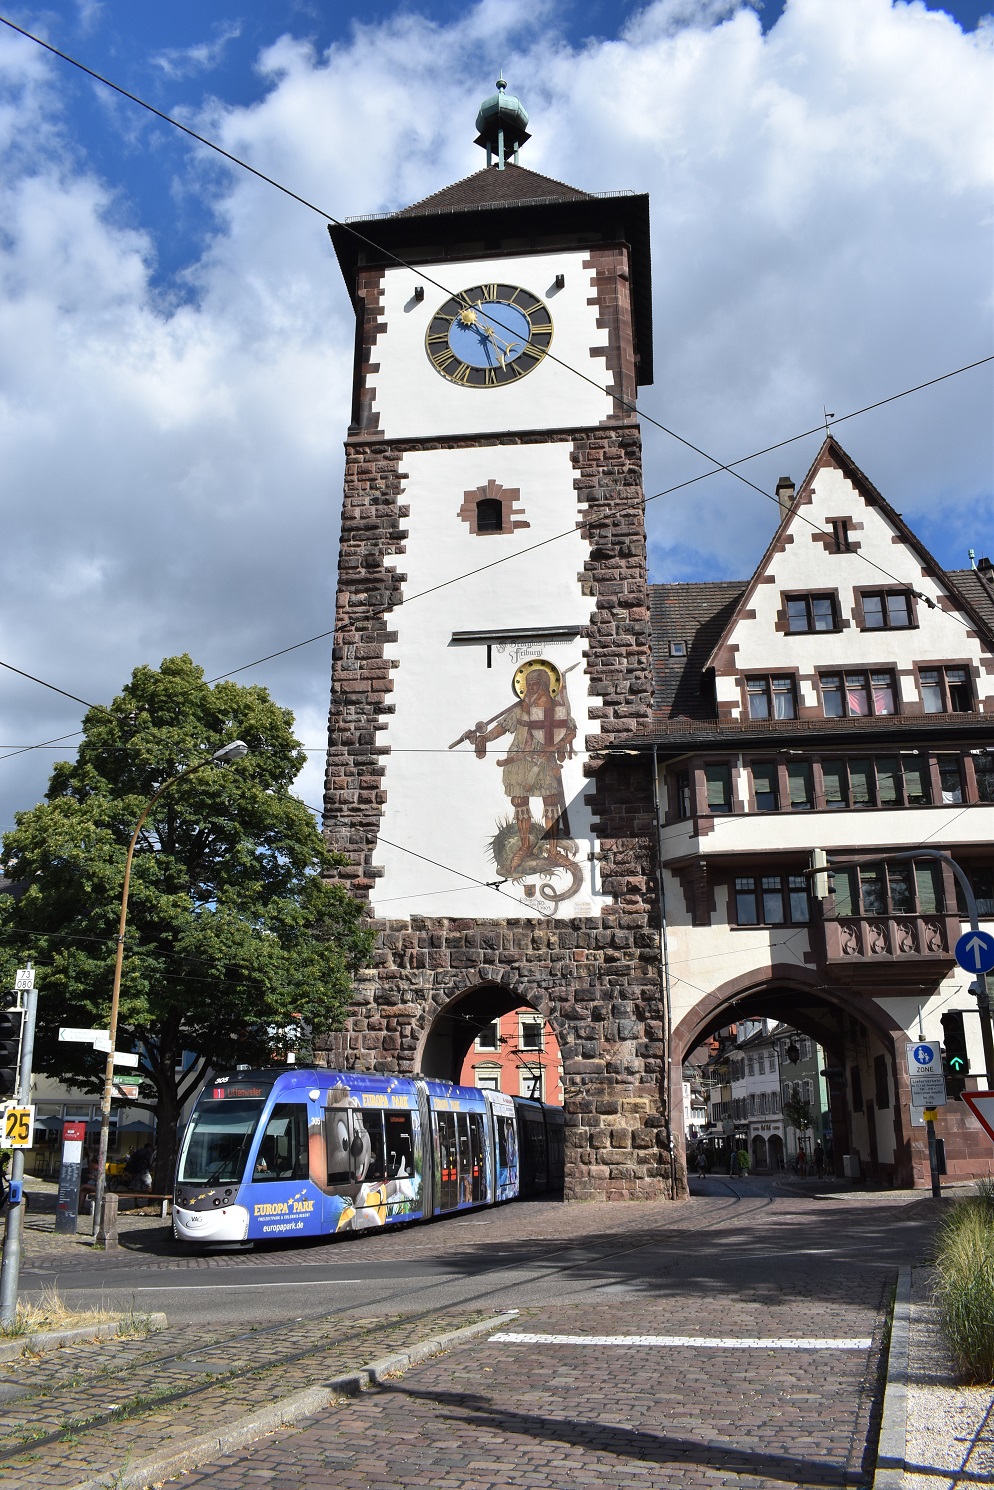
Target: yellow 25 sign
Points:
(18, 1127)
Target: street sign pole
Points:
(11, 1268)
(933, 1154)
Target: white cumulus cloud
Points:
(171, 463)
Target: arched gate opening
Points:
(866, 1084)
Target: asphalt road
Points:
(522, 1255)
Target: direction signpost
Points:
(928, 1090)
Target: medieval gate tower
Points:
(492, 645)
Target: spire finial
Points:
(503, 125)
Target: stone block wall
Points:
(596, 979)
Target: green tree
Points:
(234, 936)
(799, 1114)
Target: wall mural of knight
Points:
(535, 854)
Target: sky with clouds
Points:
(176, 341)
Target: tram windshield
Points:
(217, 1142)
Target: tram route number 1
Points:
(18, 1127)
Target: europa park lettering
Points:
(284, 1208)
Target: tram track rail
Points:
(140, 1402)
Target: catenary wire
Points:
(631, 405)
(519, 553)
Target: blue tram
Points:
(286, 1152)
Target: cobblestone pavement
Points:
(490, 1415)
(746, 1261)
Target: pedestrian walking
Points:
(818, 1159)
(702, 1164)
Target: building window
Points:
(950, 778)
(886, 609)
(840, 535)
(530, 1082)
(678, 649)
(682, 794)
(764, 786)
(811, 613)
(771, 698)
(982, 880)
(946, 690)
(886, 781)
(888, 889)
(489, 516)
(718, 781)
(856, 1087)
(881, 1090)
(983, 770)
(489, 1036)
(530, 1033)
(771, 900)
(487, 1078)
(857, 694)
(799, 787)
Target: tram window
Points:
(506, 1145)
(400, 1145)
(338, 1141)
(373, 1124)
(283, 1151)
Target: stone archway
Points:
(855, 1032)
(601, 1002)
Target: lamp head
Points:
(232, 752)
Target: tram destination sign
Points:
(928, 1085)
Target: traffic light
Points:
(955, 1061)
(11, 1019)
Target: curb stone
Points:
(283, 1413)
(36, 1343)
(892, 1444)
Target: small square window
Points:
(530, 1034)
(887, 610)
(489, 1036)
(678, 649)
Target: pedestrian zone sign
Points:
(981, 1104)
(928, 1085)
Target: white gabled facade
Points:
(842, 699)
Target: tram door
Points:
(479, 1164)
(448, 1160)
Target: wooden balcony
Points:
(888, 949)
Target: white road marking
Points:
(702, 1342)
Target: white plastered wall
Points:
(446, 804)
(413, 400)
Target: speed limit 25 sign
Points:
(18, 1127)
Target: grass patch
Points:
(964, 1260)
(53, 1313)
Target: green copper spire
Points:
(503, 126)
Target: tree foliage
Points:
(799, 1114)
(233, 934)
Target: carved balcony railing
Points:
(889, 948)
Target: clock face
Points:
(489, 336)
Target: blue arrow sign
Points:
(975, 951)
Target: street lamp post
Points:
(227, 753)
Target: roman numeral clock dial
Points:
(489, 335)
